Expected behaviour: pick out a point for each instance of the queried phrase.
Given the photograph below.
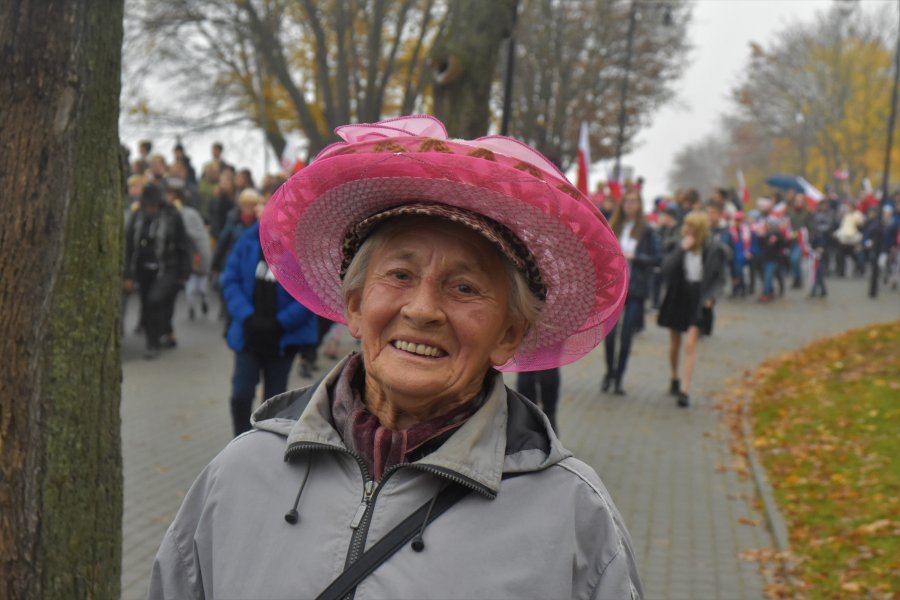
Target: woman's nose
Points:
(424, 304)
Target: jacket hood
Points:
(507, 436)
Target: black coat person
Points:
(157, 260)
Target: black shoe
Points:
(151, 352)
(191, 313)
(204, 307)
(675, 387)
(607, 381)
(683, 400)
(619, 391)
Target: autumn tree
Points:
(819, 95)
(60, 255)
(570, 66)
(282, 64)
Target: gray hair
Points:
(522, 303)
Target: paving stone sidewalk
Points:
(661, 464)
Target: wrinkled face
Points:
(432, 316)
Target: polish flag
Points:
(742, 189)
(584, 159)
(812, 194)
(290, 158)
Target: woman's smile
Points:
(418, 349)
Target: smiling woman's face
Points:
(432, 317)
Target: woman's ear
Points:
(509, 341)
(353, 313)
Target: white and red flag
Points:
(290, 158)
(584, 159)
(812, 194)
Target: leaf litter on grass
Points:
(826, 426)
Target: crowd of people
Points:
(190, 234)
(688, 252)
(195, 235)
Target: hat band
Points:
(500, 236)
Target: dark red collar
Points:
(380, 447)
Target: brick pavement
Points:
(661, 464)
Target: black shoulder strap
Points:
(384, 548)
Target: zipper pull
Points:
(367, 497)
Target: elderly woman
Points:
(411, 470)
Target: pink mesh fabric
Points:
(580, 260)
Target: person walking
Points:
(771, 247)
(641, 250)
(157, 262)
(542, 388)
(801, 225)
(266, 329)
(195, 289)
(695, 273)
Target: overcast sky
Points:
(720, 33)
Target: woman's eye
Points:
(399, 275)
(465, 288)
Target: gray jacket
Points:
(548, 529)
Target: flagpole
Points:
(623, 116)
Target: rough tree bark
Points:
(60, 256)
(464, 59)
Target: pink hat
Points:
(410, 160)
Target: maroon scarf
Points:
(380, 447)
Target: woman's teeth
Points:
(420, 349)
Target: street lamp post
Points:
(623, 115)
(508, 78)
(629, 50)
(885, 180)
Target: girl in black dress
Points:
(695, 276)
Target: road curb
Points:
(775, 521)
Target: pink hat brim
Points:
(304, 225)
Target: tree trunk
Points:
(60, 262)
(464, 60)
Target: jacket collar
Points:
(507, 436)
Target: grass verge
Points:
(826, 426)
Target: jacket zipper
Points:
(363, 517)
